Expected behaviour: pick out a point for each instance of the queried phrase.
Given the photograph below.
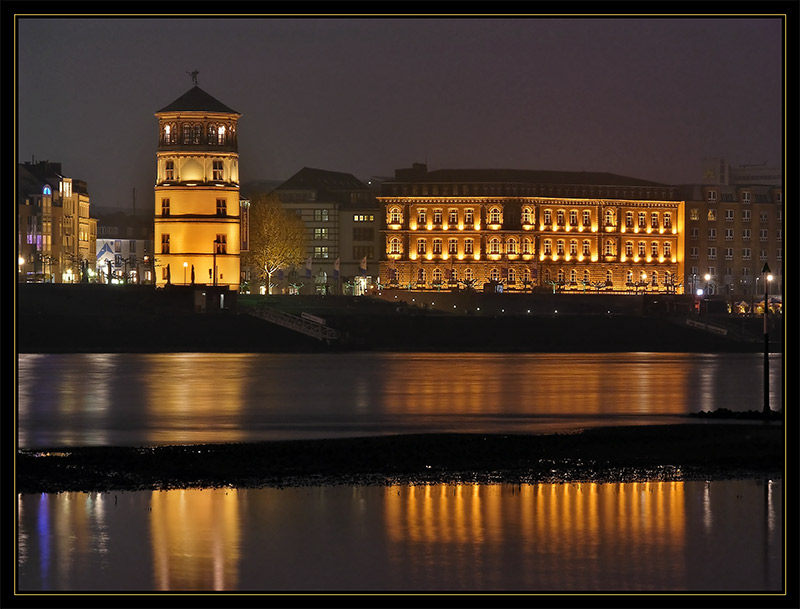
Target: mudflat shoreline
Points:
(707, 450)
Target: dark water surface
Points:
(716, 537)
(155, 399)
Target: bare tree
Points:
(277, 237)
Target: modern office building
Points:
(198, 211)
(732, 231)
(520, 230)
(342, 224)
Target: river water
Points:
(702, 536)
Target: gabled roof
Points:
(197, 100)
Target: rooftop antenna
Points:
(194, 74)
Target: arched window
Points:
(421, 275)
(642, 248)
(526, 275)
(512, 276)
(629, 277)
(609, 275)
(527, 217)
(395, 216)
(212, 134)
(494, 245)
(560, 217)
(511, 246)
(494, 215)
(667, 249)
(395, 246)
(629, 248)
(468, 274)
(494, 275)
(585, 276)
(573, 247)
(609, 217)
(609, 247)
(560, 247)
(437, 274)
(526, 246)
(393, 275)
(548, 247)
(573, 276)
(453, 275)
(654, 249)
(654, 278)
(560, 275)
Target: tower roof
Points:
(197, 100)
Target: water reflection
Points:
(654, 536)
(136, 399)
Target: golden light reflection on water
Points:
(184, 389)
(658, 536)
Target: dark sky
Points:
(643, 97)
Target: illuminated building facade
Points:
(517, 230)
(198, 212)
(731, 232)
(56, 234)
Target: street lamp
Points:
(185, 264)
(767, 279)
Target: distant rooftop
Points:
(197, 100)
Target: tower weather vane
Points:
(194, 74)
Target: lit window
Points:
(667, 249)
(587, 248)
(217, 170)
(548, 217)
(654, 249)
(654, 220)
(494, 215)
(629, 219)
(609, 248)
(494, 246)
(642, 248)
(169, 170)
(560, 217)
(526, 215)
(511, 246)
(221, 135)
(421, 246)
(468, 216)
(629, 248)
(694, 214)
(548, 247)
(712, 214)
(468, 246)
(453, 216)
(421, 217)
(587, 218)
(642, 219)
(164, 207)
(222, 207)
(394, 246)
(667, 219)
(452, 246)
(437, 246)
(573, 217)
(165, 244)
(395, 217)
(437, 216)
(221, 244)
(609, 217)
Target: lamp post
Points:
(767, 279)
(707, 277)
(185, 264)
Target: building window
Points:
(654, 220)
(763, 255)
(452, 246)
(712, 253)
(421, 276)
(469, 217)
(693, 253)
(629, 219)
(361, 233)
(452, 217)
(494, 275)
(587, 218)
(511, 246)
(573, 217)
(222, 207)
(745, 253)
(745, 234)
(321, 234)
(764, 217)
(494, 246)
(321, 252)
(212, 134)
(654, 249)
(169, 170)
(468, 246)
(362, 251)
(728, 215)
(712, 214)
(694, 233)
(763, 236)
(560, 217)
(548, 247)
(629, 248)
(728, 253)
(512, 276)
(609, 248)
(165, 243)
(667, 249)
(745, 197)
(642, 248)
(694, 214)
(712, 195)
(573, 247)
(132, 246)
(437, 275)
(587, 248)
(437, 246)
(394, 246)
(745, 215)
(667, 219)
(217, 170)
(164, 207)
(421, 217)
(526, 246)
(548, 217)
(526, 215)
(421, 246)
(437, 216)
(609, 217)
(363, 218)
(170, 134)
(728, 234)
(117, 246)
(642, 219)
(712, 234)
(221, 244)
(320, 215)
(395, 217)
(609, 277)
(468, 275)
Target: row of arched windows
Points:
(213, 134)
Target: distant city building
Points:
(717, 171)
(198, 209)
(342, 223)
(56, 233)
(732, 231)
(124, 247)
(520, 230)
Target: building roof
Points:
(322, 180)
(419, 173)
(197, 100)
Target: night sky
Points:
(642, 97)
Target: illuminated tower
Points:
(197, 219)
